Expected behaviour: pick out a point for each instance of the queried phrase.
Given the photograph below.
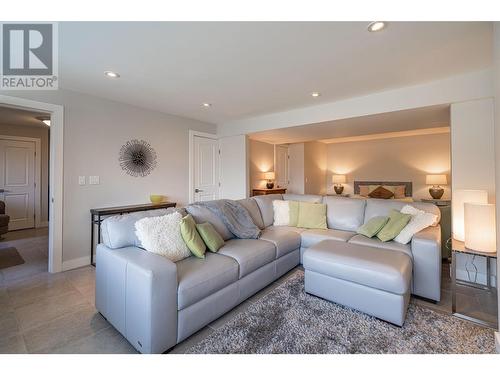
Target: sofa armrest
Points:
(426, 250)
(136, 292)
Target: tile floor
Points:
(55, 313)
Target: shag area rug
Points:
(287, 320)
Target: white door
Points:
(17, 182)
(281, 166)
(206, 168)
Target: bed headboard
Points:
(408, 184)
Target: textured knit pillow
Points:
(397, 221)
(212, 238)
(281, 213)
(162, 235)
(312, 215)
(419, 221)
(381, 193)
(373, 226)
(191, 237)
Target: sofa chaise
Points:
(156, 303)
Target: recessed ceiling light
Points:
(110, 74)
(315, 94)
(206, 105)
(376, 26)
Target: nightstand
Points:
(268, 191)
(444, 206)
(458, 247)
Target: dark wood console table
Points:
(268, 191)
(97, 215)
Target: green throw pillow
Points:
(191, 237)
(397, 221)
(312, 215)
(294, 213)
(373, 226)
(212, 238)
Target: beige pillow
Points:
(381, 193)
(364, 190)
(399, 192)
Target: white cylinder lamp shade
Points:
(459, 198)
(338, 179)
(480, 232)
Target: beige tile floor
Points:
(55, 313)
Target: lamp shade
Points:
(436, 179)
(339, 179)
(459, 198)
(268, 175)
(480, 233)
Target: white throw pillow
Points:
(419, 221)
(162, 235)
(281, 213)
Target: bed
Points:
(407, 184)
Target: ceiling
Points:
(14, 116)
(246, 69)
(328, 132)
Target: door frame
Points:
(192, 134)
(56, 174)
(38, 174)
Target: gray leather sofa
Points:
(156, 303)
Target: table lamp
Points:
(269, 176)
(436, 191)
(459, 198)
(479, 226)
(338, 180)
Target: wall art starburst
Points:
(137, 158)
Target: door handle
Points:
(198, 190)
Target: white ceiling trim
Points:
(405, 133)
(465, 87)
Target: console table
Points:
(97, 215)
(268, 191)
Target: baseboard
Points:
(497, 341)
(75, 263)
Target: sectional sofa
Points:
(156, 303)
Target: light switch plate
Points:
(94, 180)
(81, 180)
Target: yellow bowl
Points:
(155, 199)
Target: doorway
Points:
(51, 185)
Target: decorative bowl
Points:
(155, 198)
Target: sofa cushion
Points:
(285, 240)
(265, 203)
(376, 268)
(303, 198)
(397, 221)
(192, 238)
(344, 213)
(375, 242)
(382, 207)
(312, 215)
(200, 278)
(373, 226)
(250, 254)
(202, 214)
(311, 237)
(253, 209)
(210, 236)
(119, 231)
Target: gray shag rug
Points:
(287, 320)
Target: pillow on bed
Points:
(381, 193)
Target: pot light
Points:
(110, 74)
(206, 105)
(376, 26)
(315, 94)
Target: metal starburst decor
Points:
(137, 158)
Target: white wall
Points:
(42, 134)
(94, 131)
(261, 159)
(234, 167)
(496, 48)
(391, 159)
(315, 165)
(473, 160)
